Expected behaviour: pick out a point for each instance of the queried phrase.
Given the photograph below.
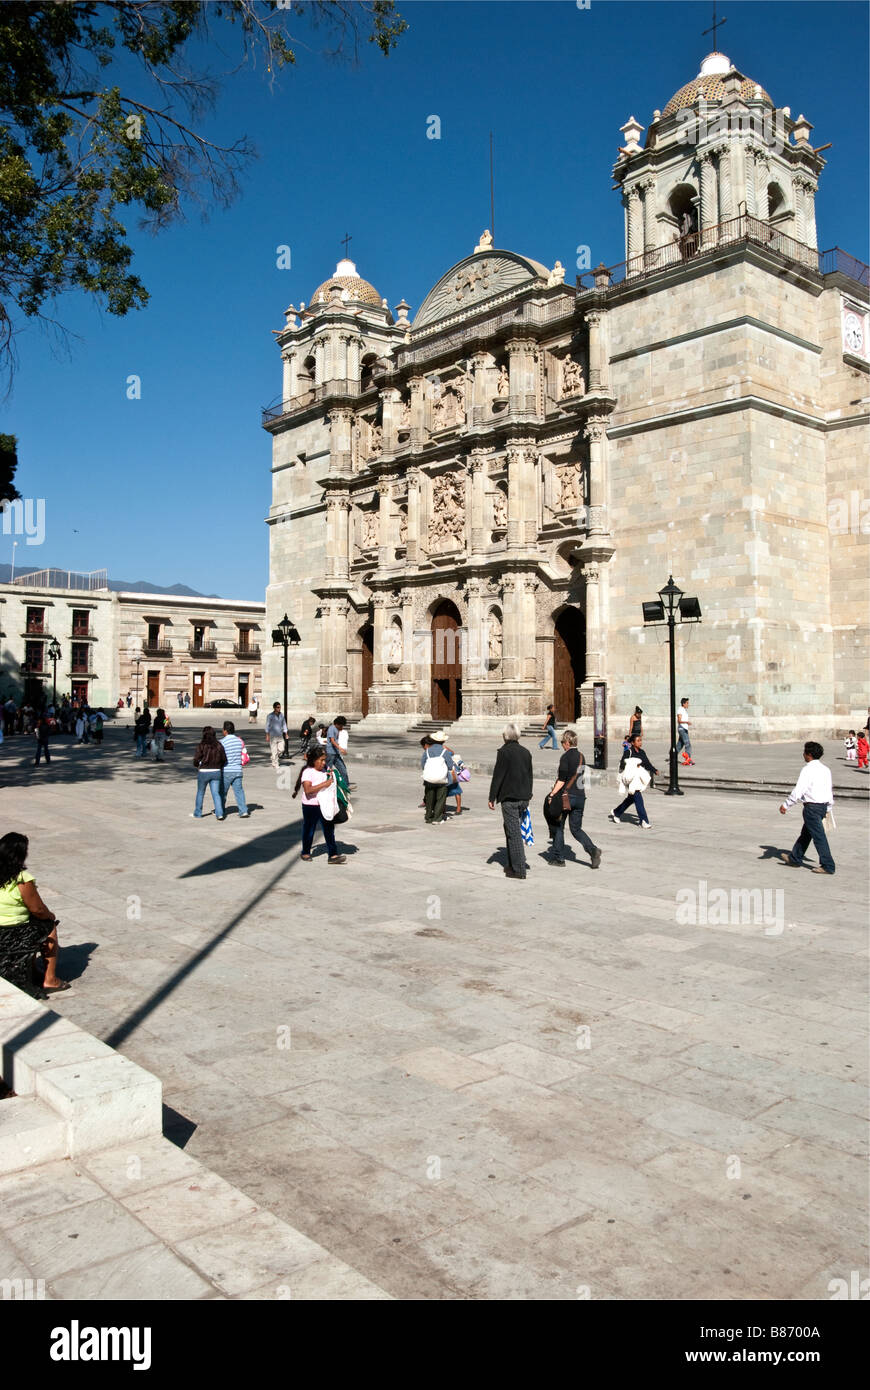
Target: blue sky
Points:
(174, 486)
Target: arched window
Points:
(776, 205)
(367, 367)
(305, 379)
(683, 207)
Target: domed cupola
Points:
(710, 85)
(350, 286)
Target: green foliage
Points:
(76, 149)
(8, 465)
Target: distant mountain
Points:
(135, 586)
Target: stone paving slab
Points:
(453, 1085)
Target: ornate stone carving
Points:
(376, 441)
(595, 428)
(394, 657)
(503, 385)
(573, 383)
(450, 407)
(405, 416)
(570, 495)
(499, 510)
(494, 638)
(591, 572)
(485, 243)
(556, 276)
(368, 536)
(403, 526)
(448, 512)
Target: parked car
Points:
(223, 704)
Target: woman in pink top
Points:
(319, 804)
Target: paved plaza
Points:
(642, 1082)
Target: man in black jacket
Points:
(512, 786)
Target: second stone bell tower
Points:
(719, 151)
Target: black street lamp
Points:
(670, 601)
(285, 635)
(54, 654)
(137, 662)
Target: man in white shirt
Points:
(276, 733)
(815, 790)
(683, 741)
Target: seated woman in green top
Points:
(20, 902)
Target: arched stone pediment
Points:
(478, 278)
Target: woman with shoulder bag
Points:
(209, 761)
(319, 805)
(567, 802)
(436, 762)
(635, 775)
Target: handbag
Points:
(566, 800)
(169, 745)
(526, 828)
(341, 815)
(246, 757)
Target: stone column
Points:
(810, 214)
(522, 371)
(340, 428)
(800, 221)
(479, 364)
(479, 459)
(594, 656)
(752, 153)
(379, 665)
(385, 549)
(342, 536)
(319, 362)
(418, 404)
(339, 642)
(635, 230)
(288, 387)
(595, 433)
(515, 527)
(531, 493)
(709, 199)
(512, 627)
(390, 407)
(597, 363)
(726, 199)
(354, 352)
(649, 217)
(528, 632)
(476, 652)
(331, 535)
(412, 549)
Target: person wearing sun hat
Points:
(436, 776)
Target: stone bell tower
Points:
(720, 150)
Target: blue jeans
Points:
(141, 740)
(813, 829)
(234, 780)
(683, 740)
(312, 816)
(158, 741)
(210, 778)
(42, 748)
(549, 739)
(574, 818)
(638, 804)
(334, 759)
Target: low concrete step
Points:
(30, 1133)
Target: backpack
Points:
(435, 769)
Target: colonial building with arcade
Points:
(470, 506)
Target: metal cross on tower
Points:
(346, 239)
(717, 24)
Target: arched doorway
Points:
(367, 637)
(569, 663)
(446, 663)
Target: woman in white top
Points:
(253, 710)
(319, 805)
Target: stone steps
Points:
(30, 1133)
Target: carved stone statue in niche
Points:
(395, 651)
(573, 383)
(368, 530)
(450, 408)
(493, 638)
(376, 441)
(499, 510)
(503, 385)
(403, 526)
(405, 416)
(570, 494)
(448, 511)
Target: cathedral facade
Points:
(470, 507)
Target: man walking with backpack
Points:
(436, 763)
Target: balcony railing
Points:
(206, 651)
(250, 653)
(81, 634)
(343, 386)
(736, 230)
(156, 648)
(36, 630)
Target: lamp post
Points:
(137, 662)
(54, 655)
(284, 635)
(670, 601)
